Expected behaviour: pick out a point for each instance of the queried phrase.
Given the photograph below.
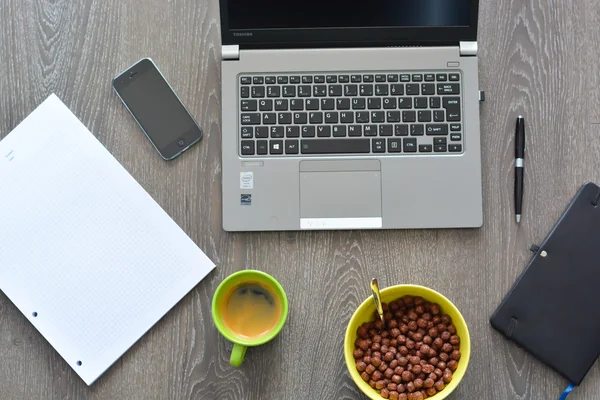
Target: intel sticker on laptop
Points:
(246, 199)
(246, 180)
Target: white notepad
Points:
(85, 253)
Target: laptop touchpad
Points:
(340, 194)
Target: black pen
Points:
(519, 165)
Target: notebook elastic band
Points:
(567, 391)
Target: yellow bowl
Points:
(364, 313)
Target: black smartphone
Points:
(158, 111)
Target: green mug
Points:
(229, 284)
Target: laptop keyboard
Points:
(395, 113)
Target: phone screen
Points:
(157, 109)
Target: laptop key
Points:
(435, 102)
(292, 131)
(409, 116)
(247, 147)
(429, 77)
(323, 131)
(258, 91)
(297, 104)
(439, 140)
(440, 148)
(344, 78)
(404, 102)
(410, 145)
(455, 137)
(307, 79)
(454, 77)
(245, 80)
(405, 78)
(319, 90)
(368, 78)
(335, 146)
(389, 103)
(362, 117)
(455, 127)
(455, 148)
(421, 102)
(284, 118)
(400, 130)
(397, 89)
(315, 117)
(291, 147)
(416, 130)
(438, 115)
(300, 118)
(359, 104)
(452, 106)
(258, 80)
(392, 78)
(262, 147)
(308, 131)
(270, 80)
(350, 90)
(320, 79)
(327, 104)
(251, 119)
(441, 77)
(249, 105)
(374, 103)
(380, 78)
(265, 105)
(312, 104)
(281, 105)
(282, 80)
(381, 90)
(436, 129)
(394, 145)
(378, 145)
(277, 132)
(370, 130)
(386, 130)
(377, 116)
(332, 117)
(304, 91)
(347, 117)
(247, 132)
(269, 118)
(393, 116)
(262, 132)
(427, 89)
(276, 146)
(412, 89)
(417, 78)
(331, 79)
(335, 90)
(339, 131)
(355, 130)
(294, 79)
(425, 148)
(245, 92)
(289, 91)
(366, 90)
(343, 104)
(424, 116)
(448, 88)
(356, 78)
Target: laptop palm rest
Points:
(344, 194)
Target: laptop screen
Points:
(298, 14)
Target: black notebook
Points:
(553, 309)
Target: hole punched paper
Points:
(85, 253)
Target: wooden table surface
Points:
(538, 58)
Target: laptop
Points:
(341, 115)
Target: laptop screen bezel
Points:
(348, 37)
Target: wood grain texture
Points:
(537, 58)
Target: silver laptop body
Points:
(372, 127)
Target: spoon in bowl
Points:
(377, 298)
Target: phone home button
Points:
(181, 142)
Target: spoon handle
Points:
(377, 298)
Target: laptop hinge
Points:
(468, 49)
(230, 52)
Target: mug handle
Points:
(237, 354)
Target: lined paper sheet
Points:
(86, 254)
